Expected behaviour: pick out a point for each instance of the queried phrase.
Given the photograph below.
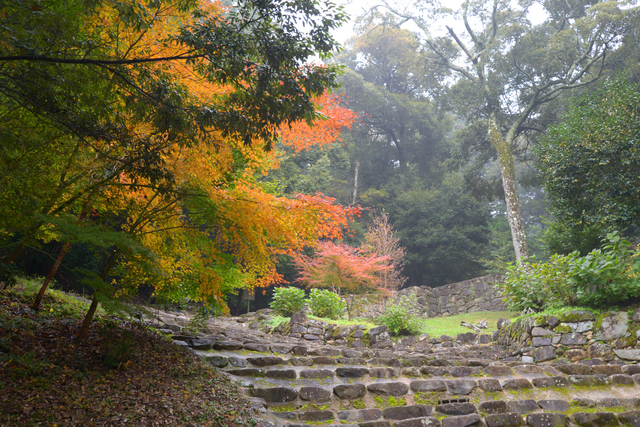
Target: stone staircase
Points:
(445, 382)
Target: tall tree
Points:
(591, 165)
(507, 67)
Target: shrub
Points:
(287, 301)
(403, 316)
(324, 303)
(602, 277)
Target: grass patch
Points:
(450, 325)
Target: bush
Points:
(602, 277)
(403, 316)
(324, 303)
(287, 301)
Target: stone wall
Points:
(575, 335)
(479, 294)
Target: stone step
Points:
(495, 413)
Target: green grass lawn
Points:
(450, 325)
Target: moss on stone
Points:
(563, 329)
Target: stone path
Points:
(445, 382)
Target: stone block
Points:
(389, 388)
(542, 354)
(510, 419)
(360, 415)
(456, 408)
(494, 407)
(350, 391)
(546, 420)
(522, 406)
(428, 385)
(554, 405)
(315, 394)
(461, 386)
(612, 326)
(590, 419)
(406, 412)
(462, 421)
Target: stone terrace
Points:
(446, 382)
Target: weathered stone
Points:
(554, 405)
(575, 369)
(599, 349)
(462, 421)
(360, 415)
(583, 402)
(516, 384)
(377, 330)
(464, 371)
(627, 402)
(383, 372)
(238, 362)
(311, 337)
(630, 418)
(510, 419)
(573, 339)
(522, 406)
(540, 341)
(301, 361)
(281, 348)
(590, 419)
(315, 394)
(528, 369)
(630, 369)
(557, 381)
(628, 354)
(621, 379)
(202, 344)
(352, 372)
(248, 372)
(418, 422)
(254, 346)
(541, 332)
(461, 386)
(547, 420)
(437, 371)
(497, 370)
(350, 391)
(316, 373)
(298, 317)
(375, 424)
(281, 373)
(544, 353)
(316, 416)
(612, 326)
(457, 408)
(466, 338)
(588, 380)
(324, 360)
(494, 407)
(575, 354)
(428, 385)
(576, 316)
(387, 343)
(265, 360)
(217, 360)
(607, 369)
(275, 394)
(405, 412)
(485, 339)
(489, 384)
(299, 350)
(228, 345)
(389, 388)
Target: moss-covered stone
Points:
(562, 329)
(576, 316)
(541, 320)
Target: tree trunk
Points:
(508, 172)
(52, 272)
(355, 184)
(83, 334)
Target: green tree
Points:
(591, 165)
(445, 232)
(506, 68)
